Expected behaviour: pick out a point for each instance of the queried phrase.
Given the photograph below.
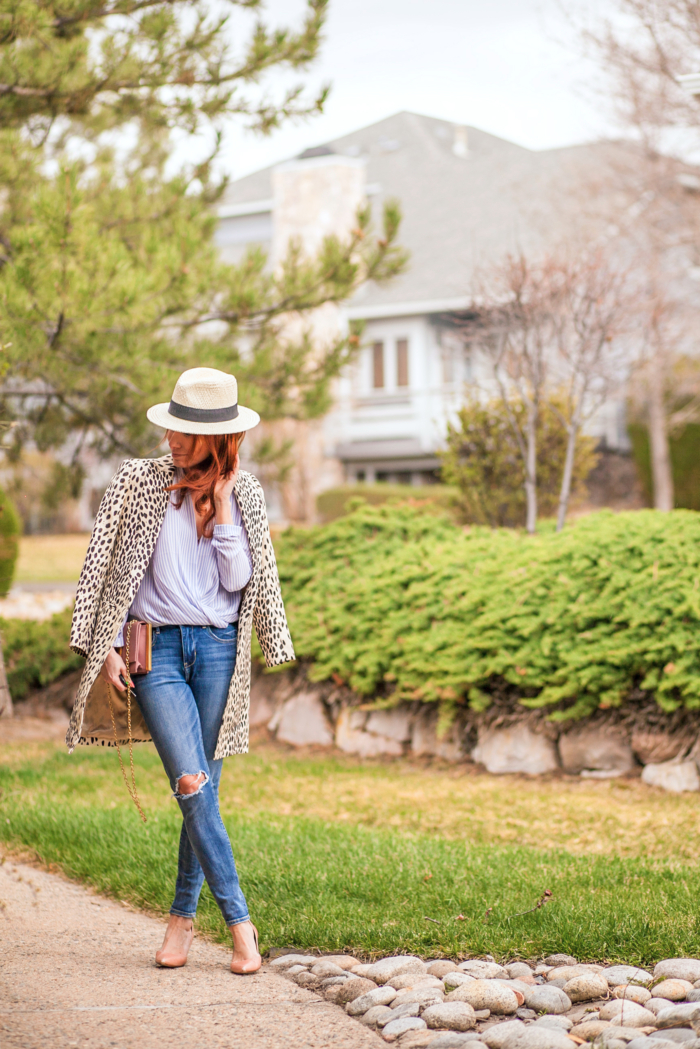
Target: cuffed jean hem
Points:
(238, 921)
(179, 914)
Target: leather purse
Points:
(139, 639)
(110, 715)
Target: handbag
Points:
(110, 715)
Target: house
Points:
(468, 199)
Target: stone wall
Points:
(664, 749)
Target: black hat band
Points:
(203, 415)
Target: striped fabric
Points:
(191, 582)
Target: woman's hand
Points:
(222, 495)
(112, 667)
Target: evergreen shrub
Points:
(10, 529)
(36, 653)
(403, 605)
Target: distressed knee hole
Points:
(190, 784)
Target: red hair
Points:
(200, 480)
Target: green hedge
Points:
(409, 606)
(10, 530)
(36, 653)
(335, 502)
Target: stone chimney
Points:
(316, 195)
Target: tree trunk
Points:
(662, 478)
(5, 697)
(531, 470)
(565, 491)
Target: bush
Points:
(36, 653)
(408, 606)
(483, 462)
(10, 529)
(335, 502)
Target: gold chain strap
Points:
(131, 787)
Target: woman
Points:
(182, 542)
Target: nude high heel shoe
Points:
(250, 966)
(174, 958)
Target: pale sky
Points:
(492, 64)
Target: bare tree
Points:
(515, 321)
(590, 310)
(642, 48)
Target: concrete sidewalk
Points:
(77, 970)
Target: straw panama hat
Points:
(204, 400)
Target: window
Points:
(403, 477)
(378, 365)
(402, 362)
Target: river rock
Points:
(407, 1009)
(627, 1014)
(325, 968)
(350, 990)
(554, 960)
(678, 1015)
(285, 961)
(619, 1036)
(533, 1037)
(655, 1005)
(377, 1016)
(675, 1034)
(586, 987)
(673, 990)
(486, 994)
(483, 970)
(562, 1022)
(678, 969)
(632, 992)
(455, 1040)
(599, 748)
(589, 1030)
(453, 980)
(450, 1016)
(567, 972)
(343, 961)
(307, 980)
(384, 969)
(547, 999)
(294, 969)
(515, 749)
(332, 981)
(414, 980)
(520, 971)
(424, 995)
(497, 1036)
(442, 968)
(377, 996)
(623, 974)
(395, 1028)
(694, 995)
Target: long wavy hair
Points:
(200, 480)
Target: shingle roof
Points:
(461, 213)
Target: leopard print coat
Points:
(122, 543)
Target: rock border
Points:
(557, 1004)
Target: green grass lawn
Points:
(334, 855)
(50, 558)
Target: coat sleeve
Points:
(97, 560)
(269, 617)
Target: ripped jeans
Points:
(183, 699)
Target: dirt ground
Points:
(77, 970)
